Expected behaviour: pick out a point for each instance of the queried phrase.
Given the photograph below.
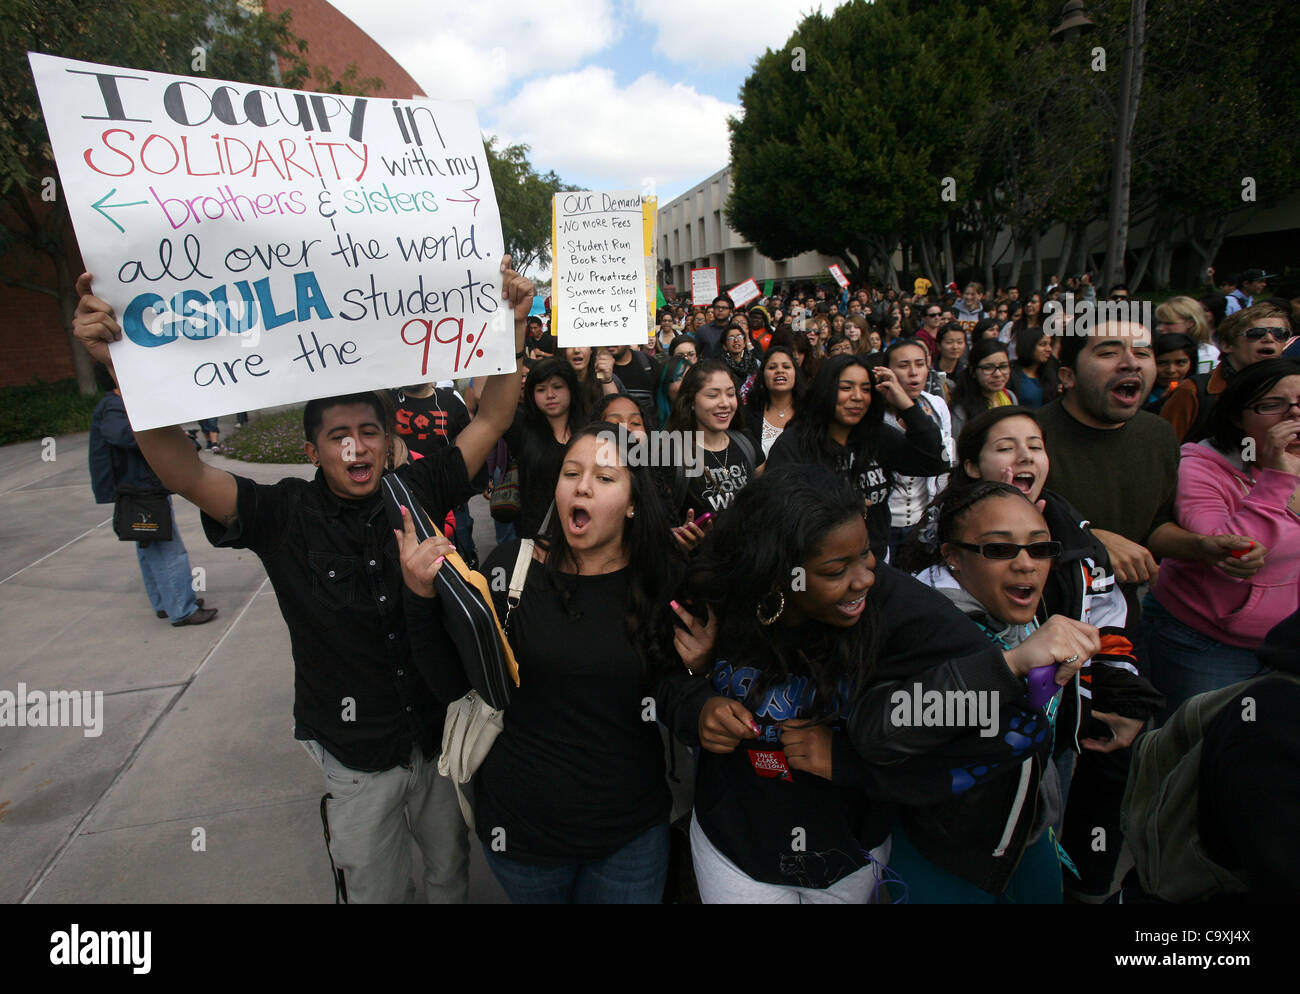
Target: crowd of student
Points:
(894, 500)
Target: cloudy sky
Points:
(608, 93)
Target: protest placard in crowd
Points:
(265, 246)
(838, 273)
(704, 286)
(599, 266)
(742, 293)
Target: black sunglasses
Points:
(1259, 333)
(1009, 550)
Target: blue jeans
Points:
(165, 567)
(505, 531)
(1183, 662)
(636, 874)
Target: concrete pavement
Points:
(197, 729)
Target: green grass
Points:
(42, 409)
(274, 438)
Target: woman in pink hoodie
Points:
(1244, 479)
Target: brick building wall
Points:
(33, 344)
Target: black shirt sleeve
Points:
(440, 481)
(261, 512)
(919, 452)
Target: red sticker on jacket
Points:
(772, 765)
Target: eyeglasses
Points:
(1260, 332)
(1010, 550)
(934, 314)
(1274, 405)
(1002, 367)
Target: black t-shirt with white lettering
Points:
(725, 474)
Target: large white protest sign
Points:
(600, 274)
(265, 246)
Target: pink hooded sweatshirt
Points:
(1218, 497)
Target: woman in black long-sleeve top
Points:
(840, 426)
(571, 804)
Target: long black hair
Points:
(758, 394)
(682, 415)
(1049, 379)
(922, 546)
(654, 564)
(755, 551)
(810, 430)
(534, 419)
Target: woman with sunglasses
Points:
(931, 325)
(1252, 335)
(983, 385)
(997, 553)
(1107, 707)
(1243, 479)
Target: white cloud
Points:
(472, 49)
(588, 129)
(721, 33)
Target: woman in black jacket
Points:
(806, 747)
(997, 553)
(841, 426)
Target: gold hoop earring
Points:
(758, 609)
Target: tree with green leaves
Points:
(524, 197)
(853, 133)
(158, 35)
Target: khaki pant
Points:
(372, 818)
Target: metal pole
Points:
(1130, 87)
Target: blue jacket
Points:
(115, 460)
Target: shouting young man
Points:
(360, 706)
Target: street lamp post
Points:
(1073, 22)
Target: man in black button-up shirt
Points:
(359, 706)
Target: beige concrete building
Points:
(693, 233)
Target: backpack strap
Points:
(745, 445)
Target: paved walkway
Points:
(197, 728)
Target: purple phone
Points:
(703, 518)
(1042, 685)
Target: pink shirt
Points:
(1217, 498)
